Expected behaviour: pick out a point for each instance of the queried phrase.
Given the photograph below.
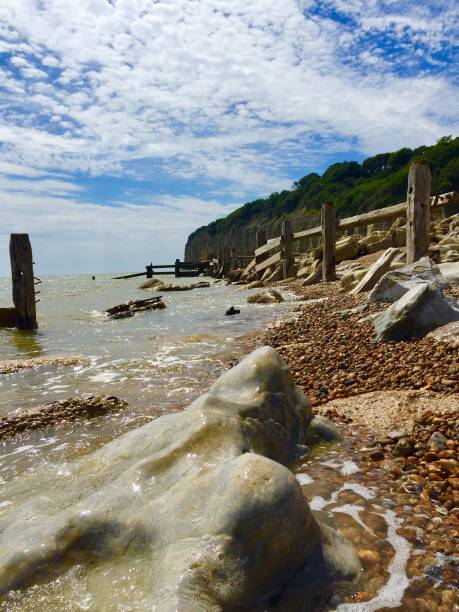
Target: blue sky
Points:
(125, 125)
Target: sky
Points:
(127, 124)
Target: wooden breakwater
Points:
(417, 210)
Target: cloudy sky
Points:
(126, 124)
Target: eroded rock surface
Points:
(193, 511)
(394, 284)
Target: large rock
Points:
(346, 248)
(450, 271)
(189, 512)
(418, 311)
(394, 284)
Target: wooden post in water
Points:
(177, 268)
(262, 239)
(418, 211)
(328, 222)
(288, 263)
(23, 281)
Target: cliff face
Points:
(207, 242)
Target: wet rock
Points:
(173, 287)
(265, 297)
(195, 501)
(150, 283)
(67, 410)
(418, 311)
(9, 366)
(201, 285)
(321, 429)
(394, 284)
(123, 311)
(403, 448)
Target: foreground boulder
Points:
(417, 312)
(193, 511)
(394, 284)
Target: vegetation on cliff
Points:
(354, 188)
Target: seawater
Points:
(158, 361)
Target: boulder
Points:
(265, 297)
(450, 271)
(448, 333)
(351, 278)
(376, 271)
(201, 285)
(394, 284)
(417, 312)
(191, 512)
(346, 248)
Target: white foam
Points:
(365, 492)
(353, 511)
(304, 479)
(349, 467)
(104, 377)
(391, 594)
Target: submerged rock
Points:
(150, 283)
(69, 410)
(173, 287)
(192, 510)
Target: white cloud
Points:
(230, 95)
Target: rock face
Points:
(394, 284)
(190, 512)
(418, 311)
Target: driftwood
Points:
(377, 271)
(129, 308)
(328, 224)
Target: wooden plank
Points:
(269, 262)
(249, 268)
(269, 246)
(374, 216)
(129, 275)
(288, 263)
(418, 211)
(328, 224)
(23, 281)
(376, 271)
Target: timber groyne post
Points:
(288, 260)
(23, 281)
(418, 211)
(328, 222)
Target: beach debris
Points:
(122, 311)
(53, 413)
(265, 297)
(232, 311)
(201, 285)
(208, 484)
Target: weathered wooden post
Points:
(288, 260)
(23, 281)
(418, 211)
(177, 268)
(328, 222)
(262, 239)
